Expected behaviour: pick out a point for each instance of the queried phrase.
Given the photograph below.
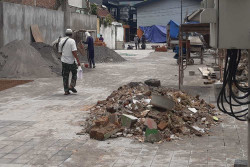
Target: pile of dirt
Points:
(149, 113)
(50, 55)
(19, 59)
(104, 55)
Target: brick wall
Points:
(49, 4)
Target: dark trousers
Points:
(66, 69)
(91, 58)
(136, 46)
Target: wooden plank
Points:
(36, 33)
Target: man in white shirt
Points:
(67, 49)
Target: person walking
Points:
(68, 50)
(136, 40)
(91, 52)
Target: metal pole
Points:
(181, 11)
(248, 119)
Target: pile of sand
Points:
(104, 55)
(19, 59)
(50, 55)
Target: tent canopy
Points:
(174, 29)
(155, 33)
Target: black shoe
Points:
(93, 66)
(67, 93)
(73, 90)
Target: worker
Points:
(136, 40)
(143, 40)
(91, 54)
(101, 38)
(68, 52)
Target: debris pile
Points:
(242, 71)
(104, 55)
(161, 49)
(19, 59)
(149, 113)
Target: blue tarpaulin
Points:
(155, 33)
(174, 29)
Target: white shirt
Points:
(70, 45)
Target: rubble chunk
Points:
(162, 125)
(150, 123)
(103, 133)
(162, 102)
(152, 135)
(103, 121)
(153, 82)
(128, 120)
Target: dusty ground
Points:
(38, 124)
(6, 83)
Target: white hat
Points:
(68, 31)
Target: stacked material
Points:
(161, 49)
(99, 43)
(150, 112)
(19, 59)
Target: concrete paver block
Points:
(240, 163)
(152, 135)
(162, 102)
(128, 120)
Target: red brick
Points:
(162, 125)
(103, 121)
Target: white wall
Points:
(111, 35)
(161, 12)
(120, 34)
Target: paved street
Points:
(38, 124)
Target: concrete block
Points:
(162, 102)
(150, 123)
(153, 82)
(152, 135)
(240, 163)
(128, 120)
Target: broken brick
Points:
(103, 133)
(103, 121)
(111, 109)
(162, 125)
(150, 123)
(113, 118)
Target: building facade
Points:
(160, 12)
(49, 4)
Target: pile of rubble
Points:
(150, 112)
(242, 71)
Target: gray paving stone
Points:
(8, 149)
(22, 149)
(12, 156)
(6, 160)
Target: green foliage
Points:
(108, 20)
(93, 9)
